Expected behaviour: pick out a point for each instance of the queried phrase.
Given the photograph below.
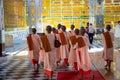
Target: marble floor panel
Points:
(114, 73)
(18, 67)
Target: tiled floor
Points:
(114, 73)
(18, 67)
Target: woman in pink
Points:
(72, 59)
(58, 53)
(42, 53)
(64, 48)
(36, 45)
(59, 28)
(72, 29)
(50, 53)
(82, 46)
(108, 38)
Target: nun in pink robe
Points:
(64, 48)
(50, 53)
(36, 45)
(108, 38)
(72, 31)
(41, 57)
(82, 46)
(42, 53)
(59, 28)
(58, 53)
(72, 59)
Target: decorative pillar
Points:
(34, 15)
(2, 38)
(99, 15)
(91, 10)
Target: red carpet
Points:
(69, 75)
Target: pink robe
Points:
(72, 59)
(34, 42)
(108, 52)
(58, 53)
(42, 54)
(64, 49)
(83, 58)
(36, 46)
(49, 57)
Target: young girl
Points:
(72, 31)
(72, 54)
(34, 45)
(49, 57)
(83, 58)
(57, 49)
(64, 48)
(107, 38)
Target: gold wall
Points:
(77, 12)
(112, 12)
(14, 13)
(66, 12)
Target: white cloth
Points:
(117, 31)
(91, 29)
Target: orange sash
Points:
(46, 44)
(30, 42)
(62, 38)
(81, 42)
(73, 39)
(108, 39)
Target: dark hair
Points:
(118, 22)
(49, 29)
(72, 26)
(43, 34)
(108, 27)
(59, 26)
(82, 27)
(53, 29)
(90, 23)
(34, 30)
(63, 28)
(76, 31)
(87, 23)
(82, 30)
